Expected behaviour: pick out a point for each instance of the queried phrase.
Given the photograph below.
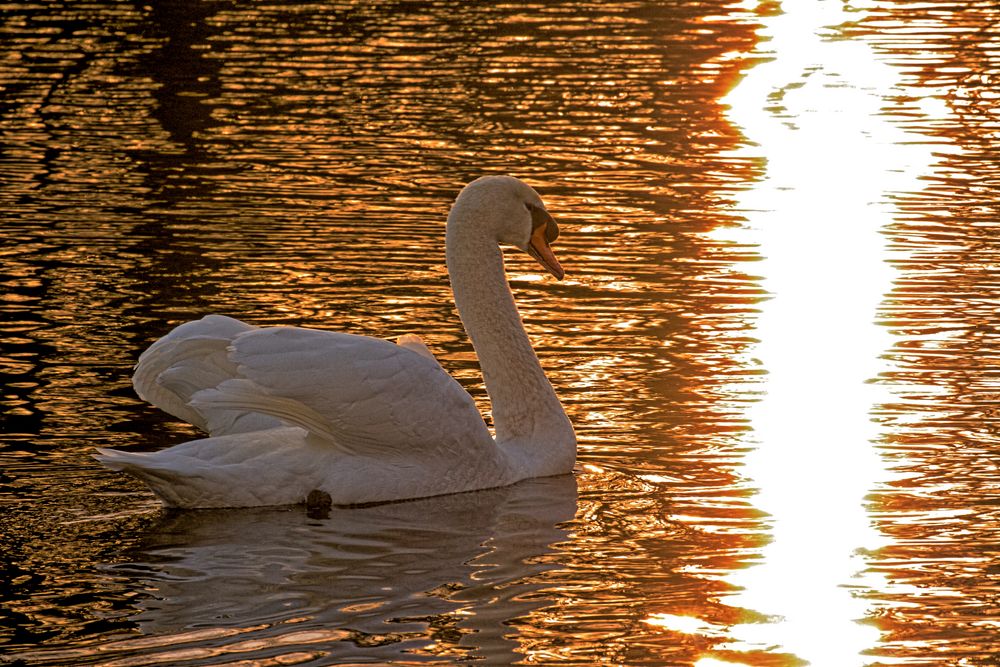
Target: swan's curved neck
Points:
(526, 411)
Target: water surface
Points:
(778, 339)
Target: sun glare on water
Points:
(815, 113)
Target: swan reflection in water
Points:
(442, 576)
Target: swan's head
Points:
(511, 212)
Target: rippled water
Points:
(778, 339)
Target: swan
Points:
(290, 410)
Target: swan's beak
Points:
(543, 231)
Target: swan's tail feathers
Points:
(112, 458)
(224, 471)
(174, 484)
(238, 397)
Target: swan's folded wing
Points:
(366, 396)
(191, 358)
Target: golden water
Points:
(778, 336)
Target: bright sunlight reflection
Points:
(815, 113)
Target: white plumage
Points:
(291, 410)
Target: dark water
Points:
(778, 340)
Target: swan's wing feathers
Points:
(241, 406)
(192, 357)
(368, 396)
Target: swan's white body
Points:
(291, 410)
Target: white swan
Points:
(292, 410)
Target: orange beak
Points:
(538, 247)
(543, 231)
